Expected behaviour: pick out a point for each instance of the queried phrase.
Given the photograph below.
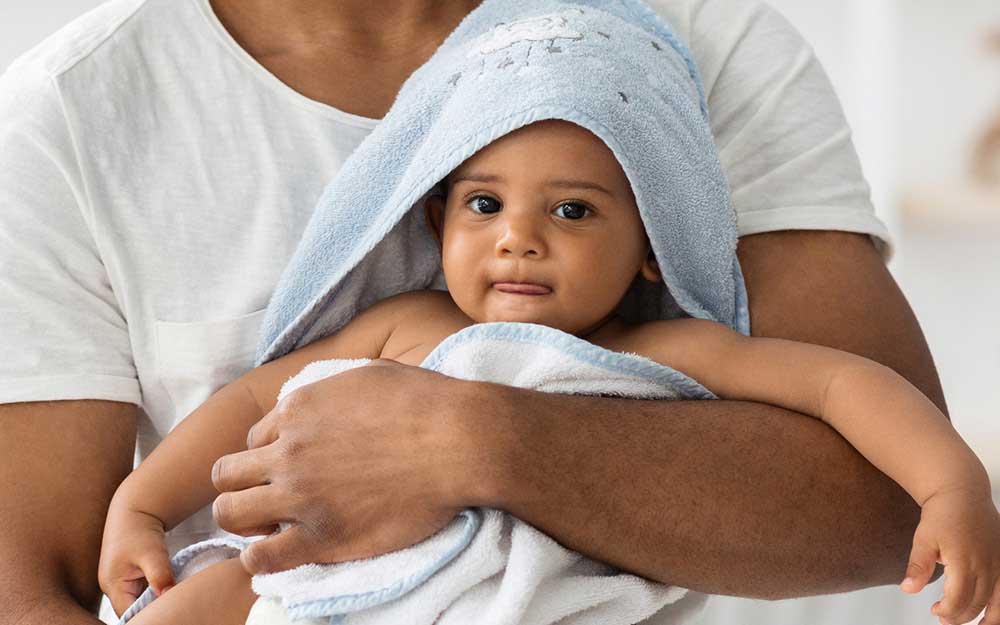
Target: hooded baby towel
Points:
(616, 69)
(611, 66)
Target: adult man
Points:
(158, 152)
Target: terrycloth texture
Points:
(611, 66)
(485, 567)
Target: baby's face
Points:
(541, 226)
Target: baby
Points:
(529, 234)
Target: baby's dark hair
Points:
(442, 188)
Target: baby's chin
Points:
(528, 316)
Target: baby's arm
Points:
(878, 411)
(885, 418)
(175, 480)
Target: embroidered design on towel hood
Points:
(613, 67)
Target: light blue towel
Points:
(611, 66)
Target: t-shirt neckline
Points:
(273, 81)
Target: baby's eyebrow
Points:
(560, 184)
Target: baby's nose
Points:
(521, 239)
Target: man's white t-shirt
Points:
(155, 179)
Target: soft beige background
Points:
(917, 86)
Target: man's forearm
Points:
(63, 461)
(50, 610)
(723, 497)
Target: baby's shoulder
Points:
(671, 329)
(424, 302)
(673, 341)
(421, 320)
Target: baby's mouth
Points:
(522, 288)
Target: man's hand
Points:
(352, 462)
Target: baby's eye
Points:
(484, 205)
(574, 211)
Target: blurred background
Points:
(920, 83)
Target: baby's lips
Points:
(523, 288)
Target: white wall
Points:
(24, 23)
(949, 86)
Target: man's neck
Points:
(377, 30)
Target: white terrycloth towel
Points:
(487, 567)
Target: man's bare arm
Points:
(728, 497)
(61, 462)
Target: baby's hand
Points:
(961, 530)
(133, 555)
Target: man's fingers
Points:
(267, 430)
(263, 433)
(923, 559)
(280, 552)
(246, 511)
(242, 470)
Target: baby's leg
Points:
(218, 595)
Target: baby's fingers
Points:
(124, 582)
(992, 616)
(978, 600)
(959, 588)
(923, 559)
(155, 567)
(123, 593)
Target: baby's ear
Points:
(434, 211)
(651, 269)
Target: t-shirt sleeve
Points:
(62, 332)
(783, 140)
